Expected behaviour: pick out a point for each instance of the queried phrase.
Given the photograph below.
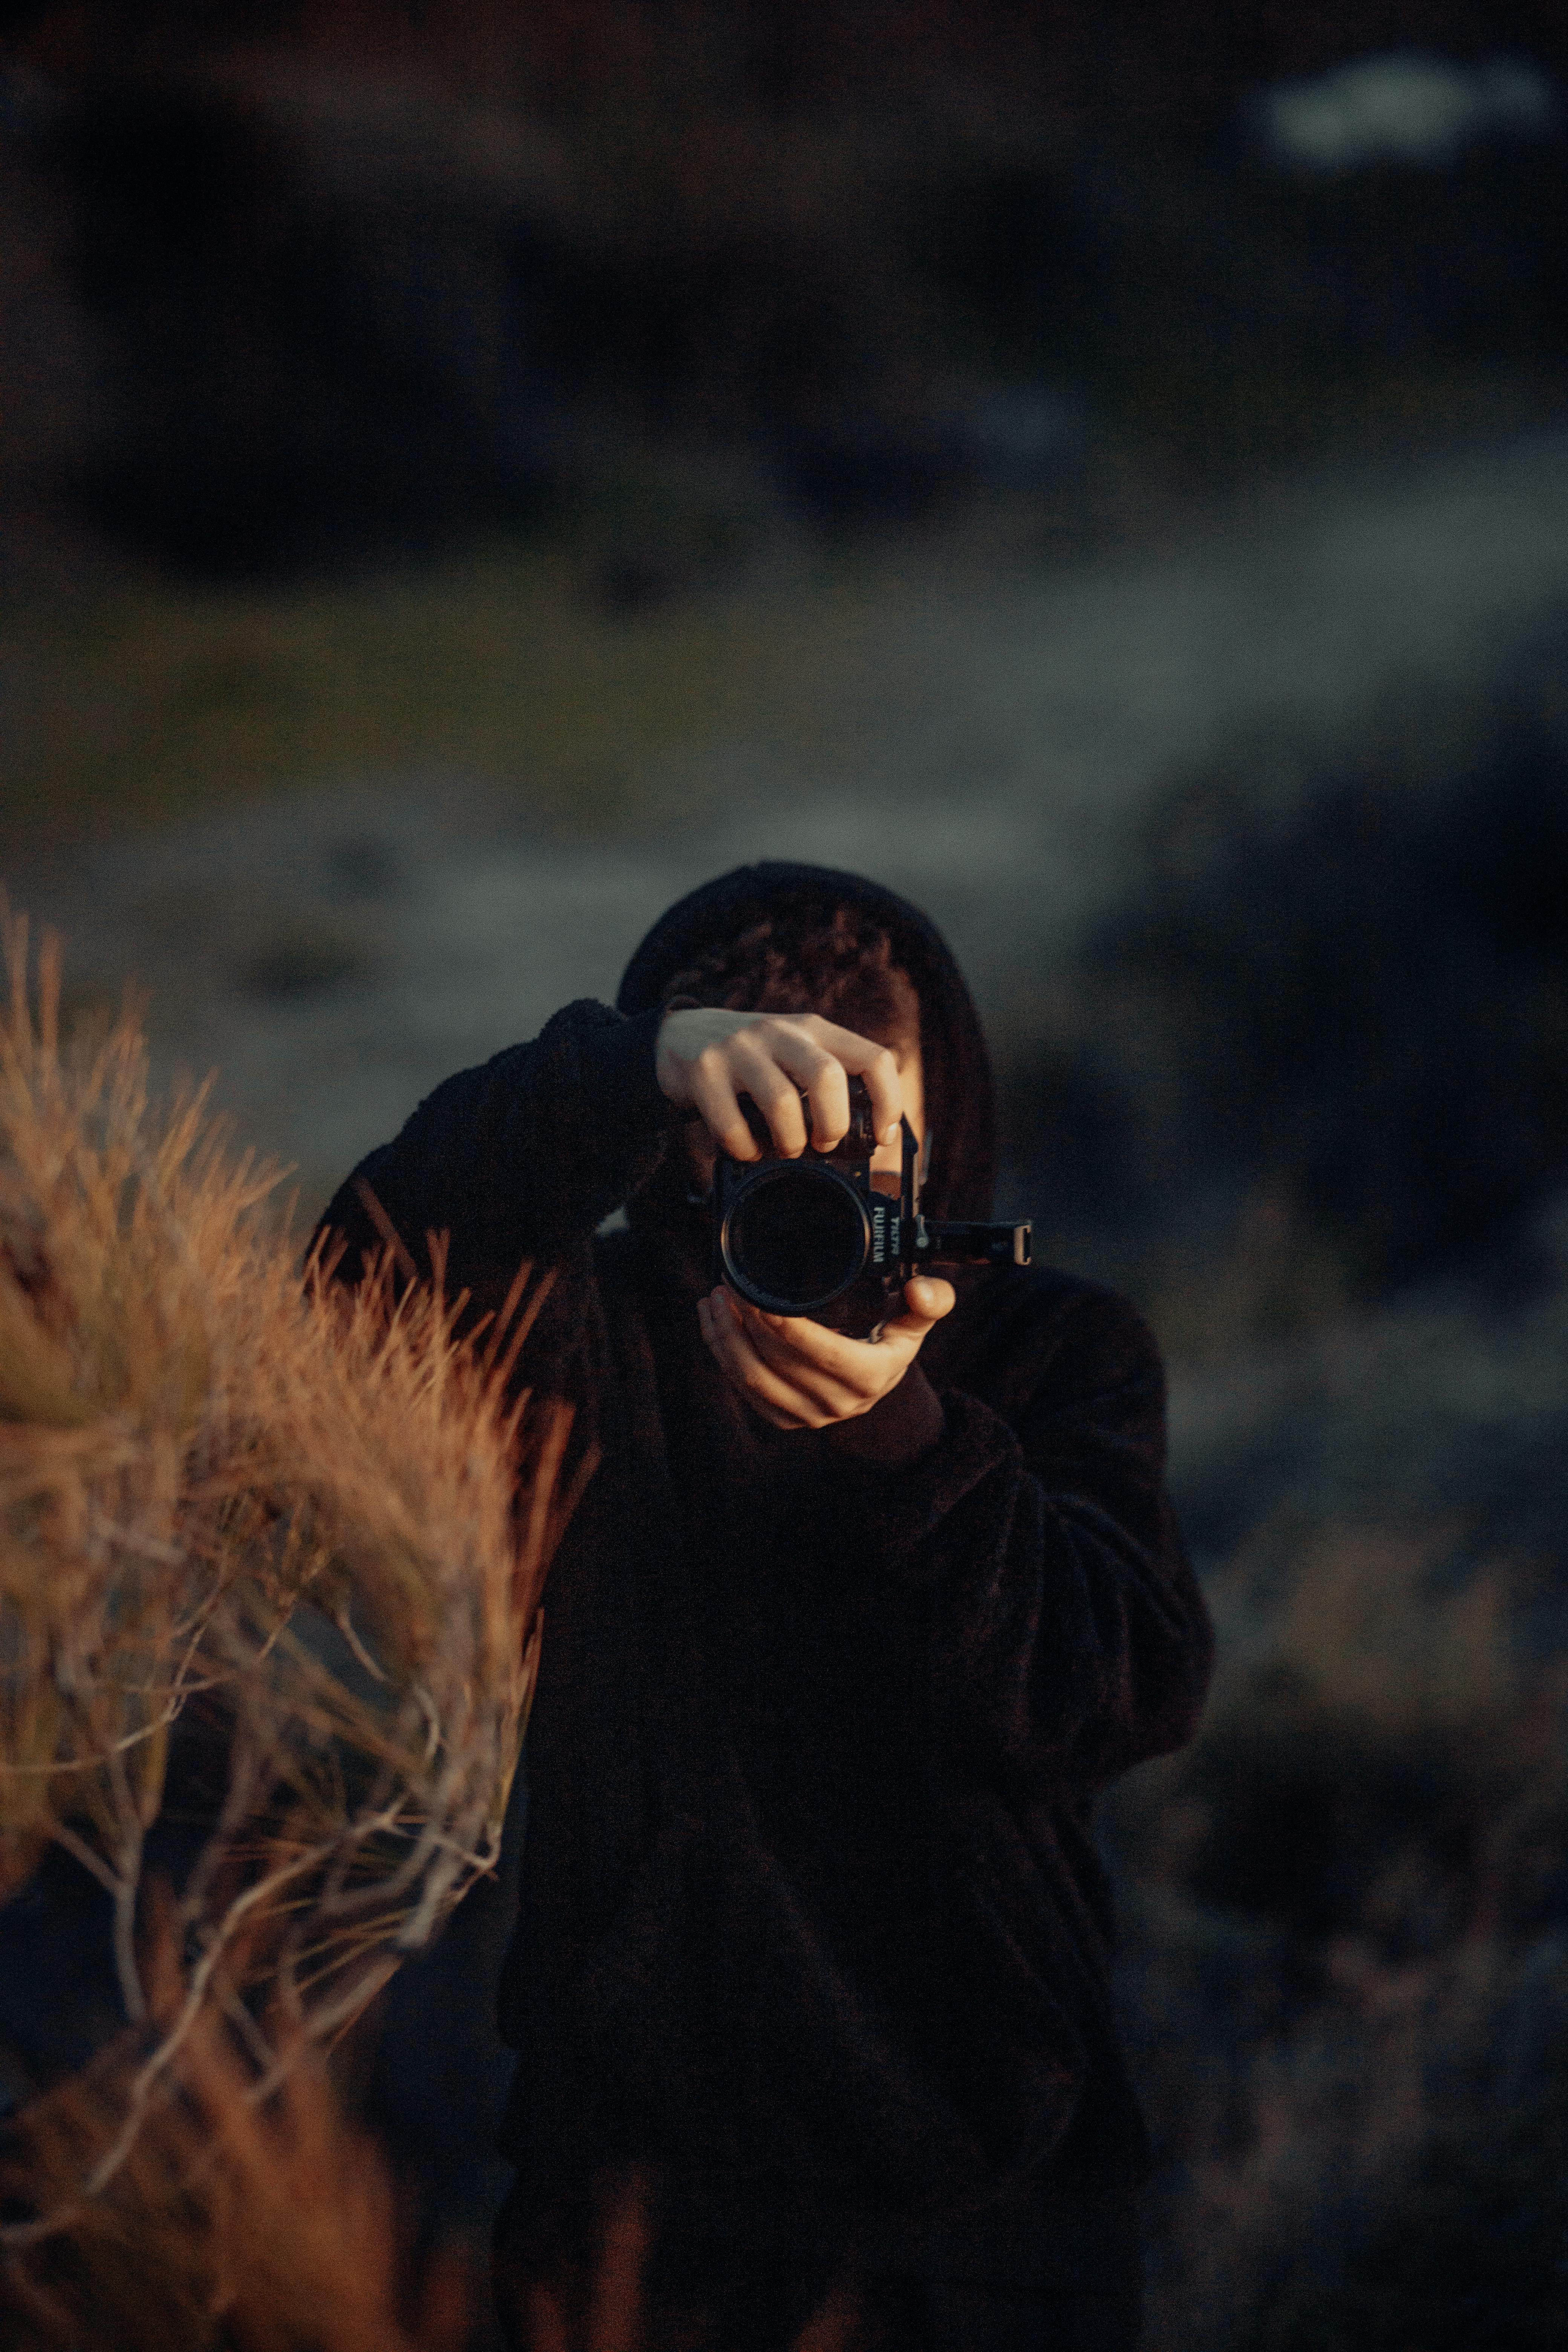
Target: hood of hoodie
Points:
(960, 1100)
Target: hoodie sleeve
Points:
(1069, 1639)
(521, 1158)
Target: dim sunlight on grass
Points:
(1342, 1970)
(146, 700)
(270, 1560)
(276, 2228)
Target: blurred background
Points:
(469, 471)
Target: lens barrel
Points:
(794, 1236)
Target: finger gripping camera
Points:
(826, 1237)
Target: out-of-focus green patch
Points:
(145, 701)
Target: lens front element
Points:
(794, 1238)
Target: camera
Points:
(826, 1237)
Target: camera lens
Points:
(796, 1238)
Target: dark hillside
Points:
(349, 284)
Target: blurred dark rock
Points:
(1354, 998)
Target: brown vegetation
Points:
(261, 1564)
(254, 2224)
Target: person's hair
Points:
(831, 960)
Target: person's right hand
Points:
(706, 1058)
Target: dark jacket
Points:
(811, 1916)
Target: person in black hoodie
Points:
(813, 1941)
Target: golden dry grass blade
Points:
(322, 1511)
(270, 2225)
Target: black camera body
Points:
(824, 1237)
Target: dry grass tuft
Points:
(254, 1530)
(262, 2224)
(1344, 1968)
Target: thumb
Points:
(927, 1298)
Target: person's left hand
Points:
(798, 1374)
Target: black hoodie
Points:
(812, 1922)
